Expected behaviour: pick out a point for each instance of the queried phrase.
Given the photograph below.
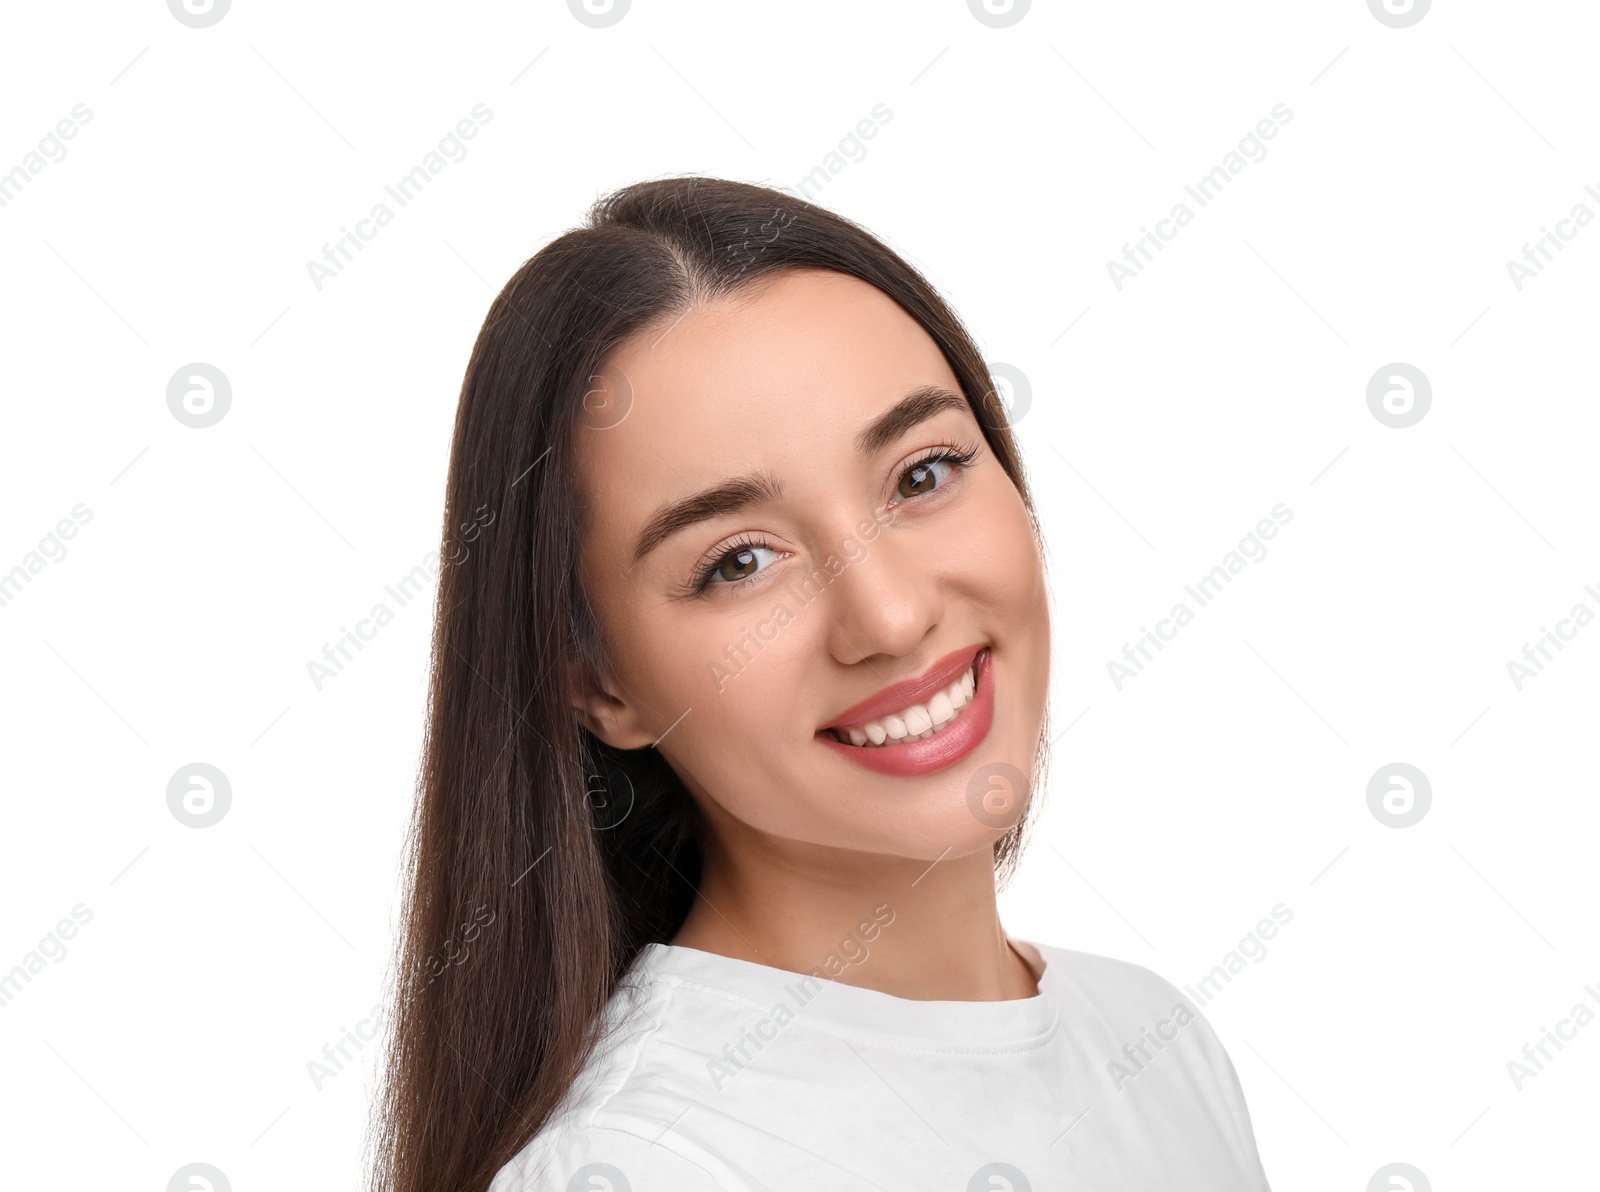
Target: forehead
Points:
(787, 351)
(796, 362)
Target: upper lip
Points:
(918, 689)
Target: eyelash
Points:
(958, 455)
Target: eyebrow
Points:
(728, 497)
(742, 492)
(915, 407)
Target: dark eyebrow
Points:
(728, 497)
(757, 488)
(917, 406)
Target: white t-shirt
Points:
(722, 1075)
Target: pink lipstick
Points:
(920, 725)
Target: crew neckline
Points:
(1009, 1024)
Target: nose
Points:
(887, 602)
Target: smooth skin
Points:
(780, 379)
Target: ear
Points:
(614, 718)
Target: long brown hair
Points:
(541, 860)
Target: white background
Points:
(1228, 376)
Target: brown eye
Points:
(738, 564)
(921, 478)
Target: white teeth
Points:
(918, 722)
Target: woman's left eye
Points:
(738, 564)
(925, 476)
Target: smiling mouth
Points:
(915, 722)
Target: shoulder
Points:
(570, 1158)
(1117, 987)
(613, 1130)
(1138, 1031)
(1122, 1002)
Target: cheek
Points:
(751, 654)
(737, 672)
(1004, 576)
(997, 551)
(731, 647)
(732, 662)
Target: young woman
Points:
(736, 725)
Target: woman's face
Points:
(779, 528)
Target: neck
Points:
(923, 930)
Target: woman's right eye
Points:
(737, 564)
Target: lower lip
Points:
(943, 749)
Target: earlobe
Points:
(615, 720)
